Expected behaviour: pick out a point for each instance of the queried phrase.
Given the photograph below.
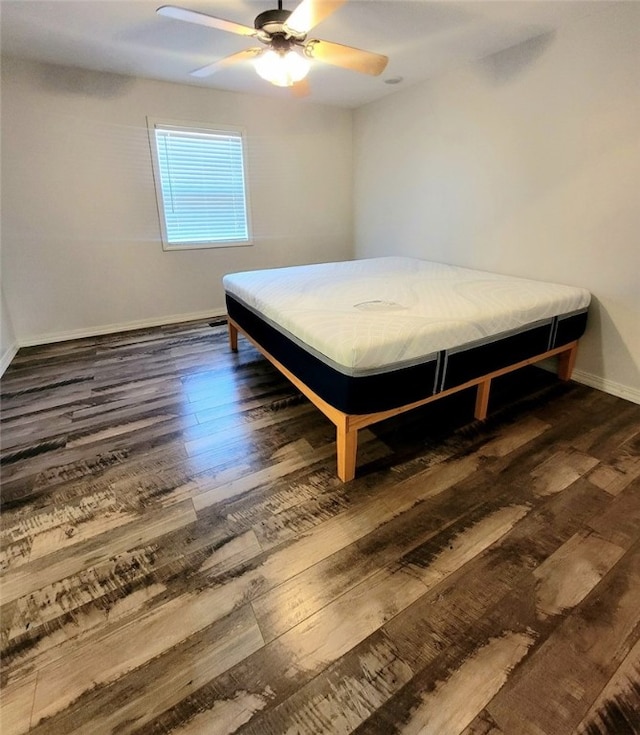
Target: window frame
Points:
(154, 124)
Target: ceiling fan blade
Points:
(209, 69)
(311, 12)
(193, 16)
(301, 88)
(348, 57)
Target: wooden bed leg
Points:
(566, 362)
(347, 448)
(482, 399)
(233, 337)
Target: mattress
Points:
(374, 334)
(368, 316)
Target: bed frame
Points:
(348, 425)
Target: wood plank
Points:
(115, 591)
(41, 572)
(322, 637)
(218, 599)
(488, 597)
(552, 690)
(454, 703)
(483, 724)
(620, 521)
(339, 700)
(115, 653)
(17, 704)
(617, 707)
(559, 471)
(569, 574)
(138, 697)
(392, 541)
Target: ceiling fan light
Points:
(282, 69)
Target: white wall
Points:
(526, 163)
(80, 231)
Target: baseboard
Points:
(45, 339)
(6, 358)
(595, 381)
(608, 386)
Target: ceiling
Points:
(421, 38)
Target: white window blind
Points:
(200, 182)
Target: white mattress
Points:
(368, 316)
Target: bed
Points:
(368, 339)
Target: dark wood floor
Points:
(178, 555)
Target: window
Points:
(200, 186)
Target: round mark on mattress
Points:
(378, 305)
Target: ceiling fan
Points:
(285, 58)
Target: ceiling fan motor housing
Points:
(272, 21)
